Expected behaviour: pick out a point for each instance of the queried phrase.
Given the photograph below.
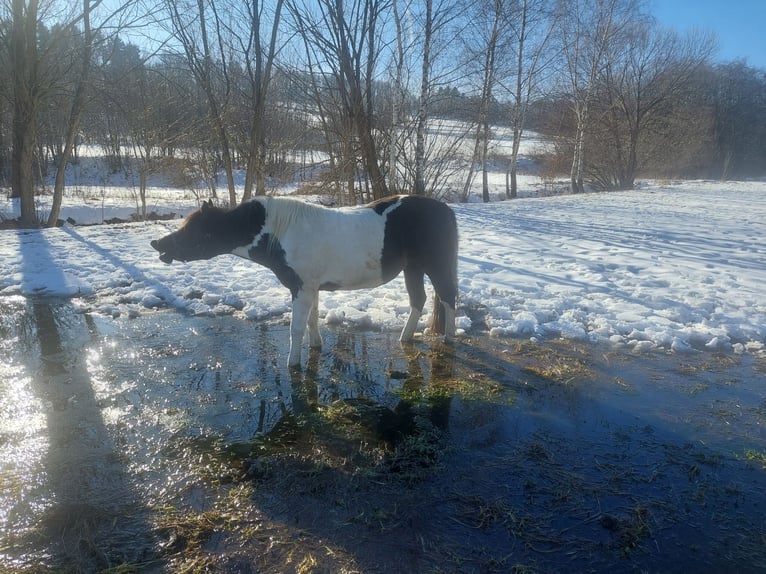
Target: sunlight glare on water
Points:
(24, 443)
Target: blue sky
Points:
(740, 25)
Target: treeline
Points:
(355, 95)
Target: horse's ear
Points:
(207, 204)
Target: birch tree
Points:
(588, 31)
(424, 56)
(534, 26)
(493, 19)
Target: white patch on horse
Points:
(341, 248)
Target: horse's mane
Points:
(282, 212)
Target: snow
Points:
(674, 266)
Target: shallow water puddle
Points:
(168, 442)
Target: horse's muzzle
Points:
(165, 256)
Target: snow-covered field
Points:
(679, 266)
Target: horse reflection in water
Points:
(343, 407)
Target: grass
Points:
(755, 456)
(561, 361)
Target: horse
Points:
(312, 248)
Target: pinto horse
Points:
(312, 248)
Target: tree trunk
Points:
(472, 167)
(142, 179)
(576, 174)
(420, 134)
(511, 182)
(73, 125)
(26, 103)
(484, 162)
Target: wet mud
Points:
(170, 443)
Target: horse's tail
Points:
(439, 315)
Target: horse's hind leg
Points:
(444, 304)
(413, 279)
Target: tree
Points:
(737, 93)
(191, 27)
(25, 77)
(327, 96)
(589, 33)
(423, 64)
(636, 94)
(423, 100)
(532, 34)
(260, 78)
(348, 37)
(490, 39)
(76, 110)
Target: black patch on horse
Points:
(212, 231)
(421, 239)
(269, 253)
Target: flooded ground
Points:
(169, 443)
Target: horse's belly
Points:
(348, 273)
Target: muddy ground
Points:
(169, 443)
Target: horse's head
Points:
(199, 237)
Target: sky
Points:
(738, 25)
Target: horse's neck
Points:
(281, 214)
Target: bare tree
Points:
(348, 37)
(397, 91)
(589, 30)
(425, 87)
(322, 82)
(259, 62)
(738, 93)
(424, 44)
(76, 110)
(493, 18)
(192, 29)
(26, 104)
(653, 68)
(532, 33)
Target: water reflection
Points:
(23, 437)
(81, 484)
(372, 448)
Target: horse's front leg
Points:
(302, 304)
(315, 338)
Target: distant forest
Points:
(367, 97)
